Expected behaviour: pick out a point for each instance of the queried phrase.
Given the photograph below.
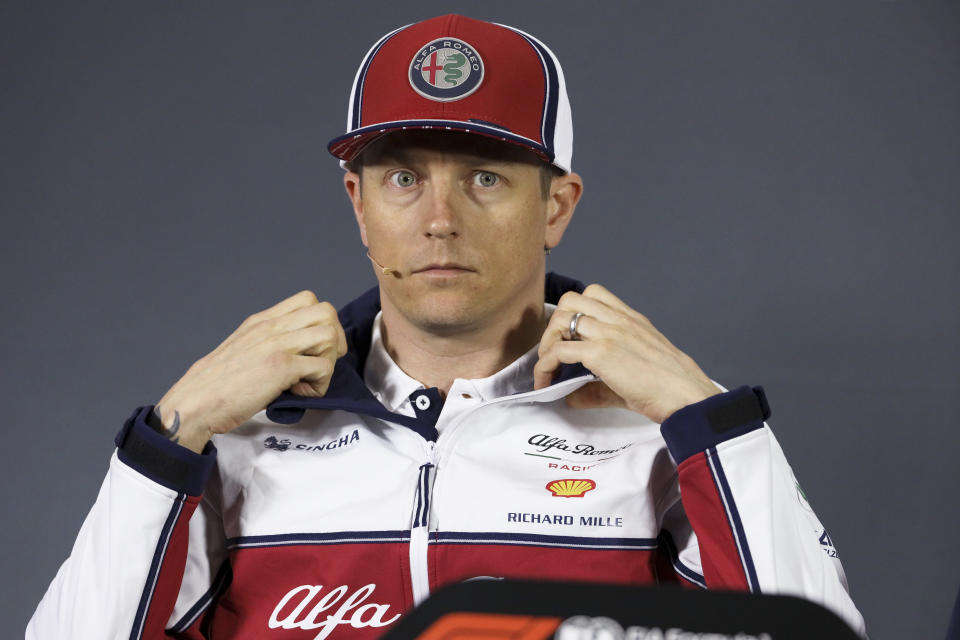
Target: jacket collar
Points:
(347, 390)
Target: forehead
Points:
(406, 145)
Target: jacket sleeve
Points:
(126, 568)
(743, 522)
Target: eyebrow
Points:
(404, 156)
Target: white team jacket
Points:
(335, 526)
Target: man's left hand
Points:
(639, 369)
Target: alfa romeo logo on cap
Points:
(446, 69)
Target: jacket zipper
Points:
(420, 528)
(426, 480)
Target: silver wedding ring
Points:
(573, 325)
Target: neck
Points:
(478, 352)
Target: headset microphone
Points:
(385, 270)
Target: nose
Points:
(443, 221)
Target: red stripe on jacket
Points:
(719, 557)
(172, 566)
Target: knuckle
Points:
(605, 347)
(567, 298)
(305, 296)
(270, 325)
(327, 309)
(620, 320)
(554, 325)
(546, 346)
(325, 366)
(323, 385)
(616, 333)
(326, 333)
(331, 332)
(250, 320)
(593, 288)
(324, 312)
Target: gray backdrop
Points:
(773, 183)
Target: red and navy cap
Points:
(458, 74)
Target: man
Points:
(460, 420)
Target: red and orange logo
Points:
(571, 487)
(461, 625)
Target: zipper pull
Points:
(421, 512)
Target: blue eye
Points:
(486, 179)
(403, 178)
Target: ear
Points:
(351, 181)
(565, 192)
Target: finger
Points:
(573, 302)
(310, 389)
(588, 327)
(313, 314)
(314, 373)
(314, 340)
(601, 294)
(341, 339)
(296, 301)
(558, 328)
(320, 314)
(555, 331)
(566, 352)
(595, 395)
(552, 333)
(631, 337)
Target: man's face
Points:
(465, 226)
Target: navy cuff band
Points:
(719, 418)
(163, 461)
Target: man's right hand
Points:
(292, 345)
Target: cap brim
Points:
(349, 145)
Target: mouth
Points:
(444, 269)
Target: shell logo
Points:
(571, 488)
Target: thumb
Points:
(310, 389)
(594, 395)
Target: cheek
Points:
(518, 247)
(528, 227)
(383, 229)
(522, 241)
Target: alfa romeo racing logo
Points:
(446, 69)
